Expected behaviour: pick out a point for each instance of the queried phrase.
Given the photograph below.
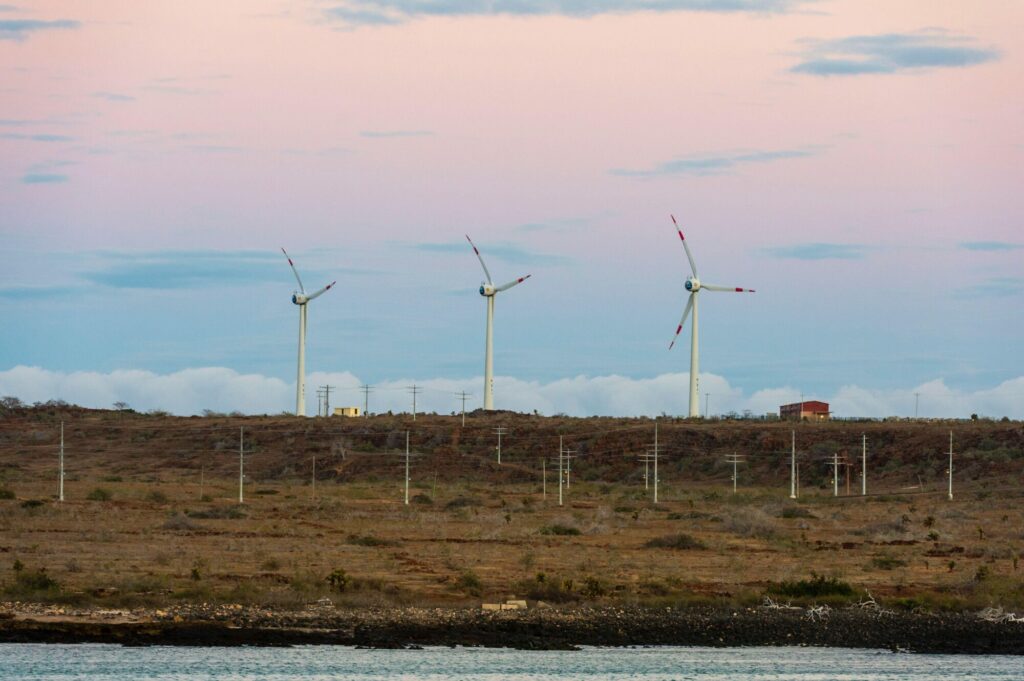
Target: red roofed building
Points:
(812, 410)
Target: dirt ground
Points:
(152, 516)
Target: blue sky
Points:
(858, 164)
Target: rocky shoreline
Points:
(534, 629)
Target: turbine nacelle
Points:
(692, 284)
(487, 290)
(299, 298)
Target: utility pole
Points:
(327, 398)
(570, 454)
(792, 467)
(951, 465)
(500, 430)
(849, 466)
(544, 478)
(367, 389)
(835, 474)
(656, 461)
(60, 488)
(463, 395)
(407, 468)
(917, 400)
(241, 464)
(559, 470)
(415, 391)
(707, 398)
(314, 478)
(734, 459)
(864, 465)
(319, 401)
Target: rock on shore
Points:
(536, 629)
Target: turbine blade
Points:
(689, 256)
(686, 313)
(322, 291)
(514, 282)
(730, 289)
(480, 258)
(294, 271)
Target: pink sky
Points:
(242, 125)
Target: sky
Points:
(857, 162)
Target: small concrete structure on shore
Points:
(507, 605)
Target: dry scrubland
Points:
(137, 529)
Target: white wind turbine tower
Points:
(694, 286)
(488, 290)
(301, 299)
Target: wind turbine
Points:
(301, 299)
(488, 290)
(694, 286)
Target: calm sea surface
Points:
(320, 663)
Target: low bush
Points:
(33, 503)
(547, 588)
(461, 502)
(796, 512)
(422, 499)
(369, 540)
(31, 585)
(817, 587)
(180, 523)
(887, 562)
(218, 513)
(6, 493)
(559, 530)
(99, 494)
(338, 580)
(157, 497)
(682, 542)
(469, 583)
(748, 522)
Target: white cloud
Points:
(220, 389)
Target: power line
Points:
(499, 431)
(463, 396)
(414, 390)
(367, 389)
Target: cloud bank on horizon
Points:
(224, 390)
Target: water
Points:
(21, 662)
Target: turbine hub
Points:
(299, 298)
(487, 290)
(692, 284)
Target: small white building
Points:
(347, 411)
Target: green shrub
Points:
(338, 580)
(99, 494)
(32, 503)
(817, 586)
(683, 542)
(548, 588)
(369, 540)
(461, 502)
(796, 512)
(560, 530)
(6, 493)
(593, 588)
(469, 583)
(30, 584)
(422, 499)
